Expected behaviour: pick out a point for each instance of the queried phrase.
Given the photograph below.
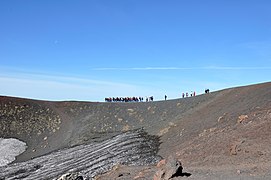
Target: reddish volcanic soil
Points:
(221, 135)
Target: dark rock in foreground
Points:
(169, 168)
(89, 160)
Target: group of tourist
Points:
(128, 99)
(141, 99)
(193, 93)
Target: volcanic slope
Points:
(227, 131)
(221, 135)
(47, 126)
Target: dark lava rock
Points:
(88, 160)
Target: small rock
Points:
(120, 119)
(233, 150)
(220, 118)
(242, 118)
(260, 153)
(130, 110)
(161, 163)
(139, 176)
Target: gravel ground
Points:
(220, 135)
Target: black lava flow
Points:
(129, 148)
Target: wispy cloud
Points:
(182, 68)
(24, 74)
(55, 87)
(42, 85)
(140, 68)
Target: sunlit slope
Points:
(47, 126)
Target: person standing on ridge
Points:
(165, 97)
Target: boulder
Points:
(168, 169)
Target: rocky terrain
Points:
(88, 160)
(220, 135)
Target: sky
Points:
(91, 49)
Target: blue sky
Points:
(91, 49)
